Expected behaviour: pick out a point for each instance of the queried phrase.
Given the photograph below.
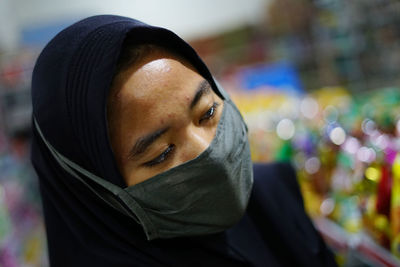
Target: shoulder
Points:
(276, 177)
(276, 208)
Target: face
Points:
(161, 114)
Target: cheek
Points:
(137, 175)
(134, 174)
(187, 100)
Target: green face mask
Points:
(202, 196)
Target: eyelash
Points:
(170, 149)
(162, 157)
(210, 113)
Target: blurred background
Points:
(317, 82)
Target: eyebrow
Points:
(144, 142)
(203, 88)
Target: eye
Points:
(210, 113)
(161, 158)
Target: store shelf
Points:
(358, 243)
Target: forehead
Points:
(157, 79)
(158, 86)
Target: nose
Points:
(195, 140)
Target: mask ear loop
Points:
(72, 168)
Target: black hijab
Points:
(70, 85)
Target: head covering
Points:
(70, 85)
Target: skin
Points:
(155, 93)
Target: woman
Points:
(143, 160)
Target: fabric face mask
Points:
(202, 196)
